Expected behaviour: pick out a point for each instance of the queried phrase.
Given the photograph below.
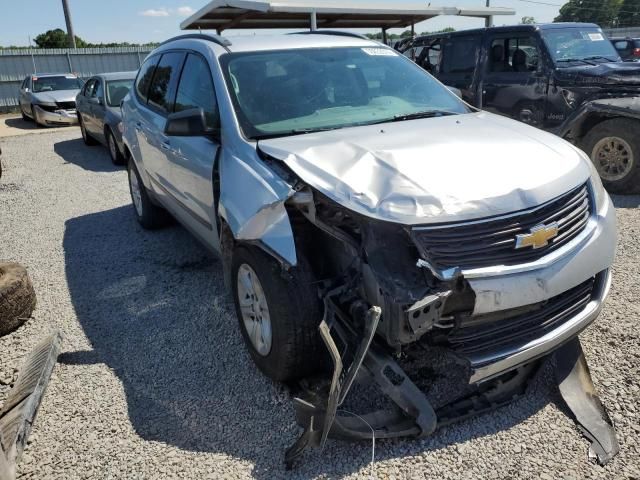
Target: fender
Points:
(573, 126)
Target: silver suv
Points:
(362, 209)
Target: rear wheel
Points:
(114, 151)
(279, 313)
(150, 216)
(25, 117)
(614, 149)
(86, 136)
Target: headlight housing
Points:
(599, 193)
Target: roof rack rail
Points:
(220, 40)
(338, 33)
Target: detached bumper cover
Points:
(58, 117)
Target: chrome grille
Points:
(499, 330)
(491, 242)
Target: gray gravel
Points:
(155, 382)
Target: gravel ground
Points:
(154, 381)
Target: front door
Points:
(513, 82)
(193, 158)
(458, 63)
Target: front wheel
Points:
(614, 149)
(279, 313)
(114, 151)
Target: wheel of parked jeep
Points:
(86, 136)
(17, 297)
(279, 313)
(150, 216)
(614, 148)
(114, 151)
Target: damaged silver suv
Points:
(361, 211)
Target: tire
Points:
(17, 297)
(86, 136)
(614, 148)
(35, 119)
(150, 216)
(25, 117)
(293, 309)
(114, 152)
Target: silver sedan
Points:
(50, 99)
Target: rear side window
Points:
(88, 89)
(144, 77)
(163, 85)
(460, 54)
(196, 89)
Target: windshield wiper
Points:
(295, 131)
(423, 114)
(596, 57)
(568, 60)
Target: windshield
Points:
(49, 84)
(281, 93)
(117, 90)
(576, 44)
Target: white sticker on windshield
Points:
(595, 37)
(385, 52)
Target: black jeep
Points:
(563, 77)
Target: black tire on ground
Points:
(116, 157)
(295, 311)
(624, 134)
(25, 117)
(88, 139)
(17, 297)
(151, 216)
(33, 114)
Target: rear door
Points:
(460, 56)
(193, 158)
(94, 108)
(514, 82)
(83, 107)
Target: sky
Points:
(141, 21)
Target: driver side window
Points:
(514, 55)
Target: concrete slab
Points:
(12, 125)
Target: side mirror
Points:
(188, 123)
(26, 89)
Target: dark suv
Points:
(563, 77)
(628, 48)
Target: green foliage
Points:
(629, 13)
(57, 39)
(405, 34)
(527, 21)
(606, 13)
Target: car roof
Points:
(253, 43)
(511, 28)
(118, 75)
(62, 74)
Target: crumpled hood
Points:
(434, 170)
(618, 73)
(56, 96)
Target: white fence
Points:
(15, 65)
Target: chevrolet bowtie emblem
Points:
(538, 237)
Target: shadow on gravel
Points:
(95, 158)
(626, 201)
(154, 307)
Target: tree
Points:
(602, 12)
(527, 20)
(57, 39)
(629, 13)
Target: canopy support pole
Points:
(384, 36)
(314, 21)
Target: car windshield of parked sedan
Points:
(49, 84)
(117, 90)
(281, 93)
(579, 45)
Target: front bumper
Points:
(589, 256)
(58, 117)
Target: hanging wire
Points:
(373, 442)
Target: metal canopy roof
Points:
(255, 14)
